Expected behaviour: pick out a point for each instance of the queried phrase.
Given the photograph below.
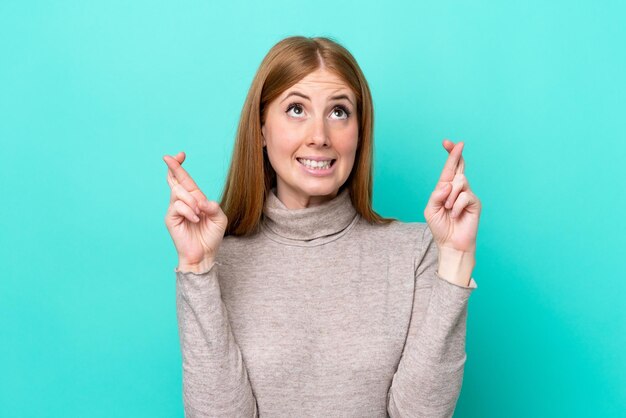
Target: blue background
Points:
(94, 93)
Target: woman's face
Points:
(310, 124)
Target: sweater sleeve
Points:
(215, 379)
(428, 380)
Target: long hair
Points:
(251, 176)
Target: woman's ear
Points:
(263, 134)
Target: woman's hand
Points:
(453, 210)
(196, 224)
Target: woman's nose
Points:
(319, 132)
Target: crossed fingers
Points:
(454, 164)
(182, 185)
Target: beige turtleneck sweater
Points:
(321, 314)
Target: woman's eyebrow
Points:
(297, 93)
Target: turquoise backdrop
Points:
(94, 93)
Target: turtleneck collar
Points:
(314, 225)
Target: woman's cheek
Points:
(288, 135)
(350, 139)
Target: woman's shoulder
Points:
(238, 246)
(396, 231)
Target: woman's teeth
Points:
(320, 165)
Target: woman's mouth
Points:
(317, 168)
(316, 164)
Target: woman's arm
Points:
(215, 380)
(430, 373)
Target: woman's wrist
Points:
(200, 267)
(456, 266)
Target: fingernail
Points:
(195, 218)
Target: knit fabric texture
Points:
(322, 314)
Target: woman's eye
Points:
(342, 111)
(296, 107)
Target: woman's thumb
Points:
(439, 196)
(207, 206)
(212, 209)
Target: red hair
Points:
(251, 176)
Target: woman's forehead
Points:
(320, 83)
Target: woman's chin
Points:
(320, 190)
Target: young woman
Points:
(294, 297)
